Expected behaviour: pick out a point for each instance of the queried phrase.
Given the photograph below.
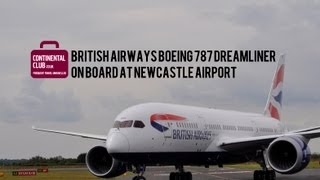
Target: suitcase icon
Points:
(49, 63)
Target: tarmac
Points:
(201, 173)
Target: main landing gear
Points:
(139, 170)
(264, 174)
(181, 175)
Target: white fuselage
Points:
(201, 130)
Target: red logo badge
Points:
(49, 63)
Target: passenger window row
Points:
(229, 127)
(187, 125)
(245, 128)
(214, 126)
(267, 130)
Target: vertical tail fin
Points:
(274, 103)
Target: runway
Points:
(201, 173)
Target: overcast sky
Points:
(290, 27)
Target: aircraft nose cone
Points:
(117, 143)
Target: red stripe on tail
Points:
(274, 112)
(279, 77)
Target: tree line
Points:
(59, 160)
(42, 161)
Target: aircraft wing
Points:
(306, 130)
(83, 135)
(236, 144)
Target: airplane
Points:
(160, 134)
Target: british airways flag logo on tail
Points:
(163, 117)
(275, 97)
(275, 106)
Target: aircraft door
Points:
(202, 126)
(255, 127)
(167, 132)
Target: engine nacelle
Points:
(288, 155)
(101, 164)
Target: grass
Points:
(314, 165)
(65, 174)
(53, 175)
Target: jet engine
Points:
(101, 164)
(288, 155)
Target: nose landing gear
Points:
(139, 170)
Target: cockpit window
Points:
(126, 124)
(116, 124)
(123, 124)
(138, 124)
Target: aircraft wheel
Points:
(270, 175)
(138, 178)
(255, 175)
(188, 176)
(178, 176)
(264, 175)
(172, 176)
(258, 175)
